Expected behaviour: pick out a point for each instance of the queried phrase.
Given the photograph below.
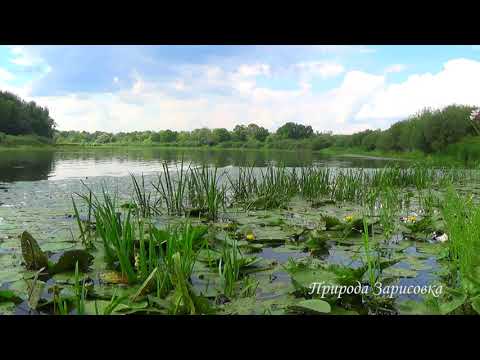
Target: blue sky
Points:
(333, 88)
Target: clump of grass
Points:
(173, 191)
(229, 268)
(117, 235)
(184, 239)
(80, 293)
(462, 223)
(370, 260)
(143, 199)
(271, 188)
(206, 192)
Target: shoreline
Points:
(331, 151)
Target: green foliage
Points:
(294, 131)
(18, 117)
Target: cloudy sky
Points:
(333, 88)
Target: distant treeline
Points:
(428, 131)
(18, 117)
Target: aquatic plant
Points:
(371, 263)
(143, 199)
(117, 234)
(270, 188)
(205, 191)
(80, 292)
(173, 192)
(462, 219)
(184, 239)
(229, 267)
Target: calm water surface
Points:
(36, 186)
(80, 163)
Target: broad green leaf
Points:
(34, 257)
(313, 306)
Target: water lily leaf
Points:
(313, 306)
(146, 287)
(67, 260)
(412, 307)
(57, 246)
(457, 301)
(68, 277)
(92, 306)
(131, 308)
(417, 264)
(331, 222)
(303, 279)
(9, 276)
(208, 256)
(35, 288)
(113, 277)
(336, 310)
(34, 257)
(9, 296)
(399, 272)
(476, 304)
(7, 308)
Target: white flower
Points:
(442, 238)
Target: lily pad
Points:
(7, 276)
(67, 260)
(113, 277)
(7, 308)
(399, 272)
(315, 306)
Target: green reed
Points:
(143, 199)
(173, 191)
(229, 268)
(206, 192)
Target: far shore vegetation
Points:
(448, 134)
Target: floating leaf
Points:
(113, 277)
(9, 276)
(9, 296)
(399, 272)
(146, 287)
(66, 261)
(313, 306)
(476, 304)
(7, 308)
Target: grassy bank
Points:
(463, 153)
(24, 142)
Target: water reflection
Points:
(60, 164)
(26, 165)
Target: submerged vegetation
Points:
(192, 241)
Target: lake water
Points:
(65, 164)
(36, 186)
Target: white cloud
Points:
(6, 75)
(253, 70)
(395, 68)
(320, 68)
(214, 97)
(147, 106)
(457, 83)
(26, 56)
(115, 80)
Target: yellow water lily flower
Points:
(250, 237)
(349, 218)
